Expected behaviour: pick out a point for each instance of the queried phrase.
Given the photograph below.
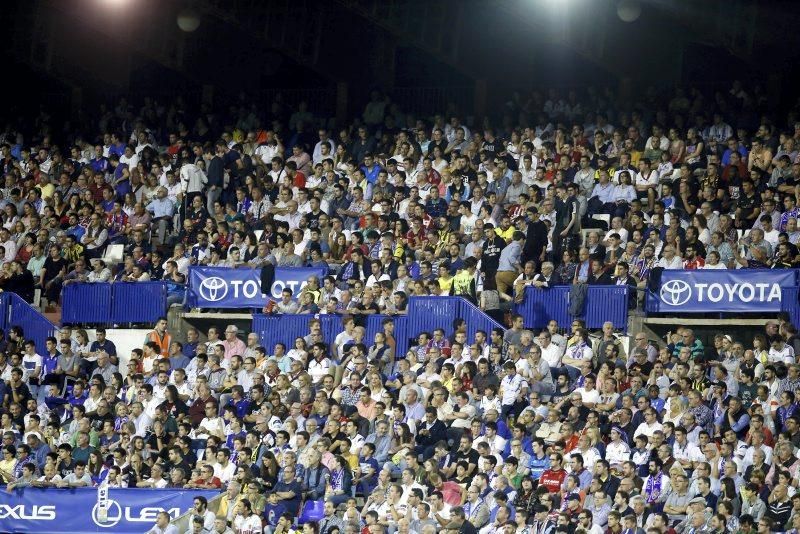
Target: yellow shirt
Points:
(47, 190)
(445, 283)
(448, 384)
(505, 234)
(352, 460)
(635, 156)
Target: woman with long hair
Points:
(59, 205)
(94, 465)
(402, 443)
(269, 470)
(340, 483)
(527, 499)
(568, 266)
(172, 404)
(251, 247)
(677, 147)
(300, 350)
(96, 236)
(695, 150)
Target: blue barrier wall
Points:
(477, 320)
(138, 302)
(603, 303)
(272, 329)
(424, 315)
(790, 303)
(68, 511)
(540, 306)
(117, 303)
(607, 303)
(34, 325)
(427, 313)
(5, 301)
(86, 304)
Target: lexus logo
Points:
(676, 293)
(112, 517)
(213, 288)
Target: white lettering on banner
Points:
(295, 285)
(759, 292)
(249, 288)
(34, 513)
(214, 289)
(115, 513)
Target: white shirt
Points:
(785, 355)
(318, 369)
(617, 453)
(266, 153)
(215, 425)
(647, 430)
(552, 354)
(650, 180)
(592, 396)
(247, 525)
(131, 162)
(675, 263)
(225, 474)
(748, 455)
(29, 363)
(688, 451)
(510, 386)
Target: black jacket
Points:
(535, 242)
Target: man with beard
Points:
(657, 484)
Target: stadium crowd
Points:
(557, 431)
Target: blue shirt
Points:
(74, 401)
(49, 363)
(241, 407)
(118, 149)
(190, 349)
(371, 174)
(604, 192)
(161, 207)
(510, 257)
(274, 512)
(178, 363)
(99, 164)
(107, 346)
(538, 465)
(294, 503)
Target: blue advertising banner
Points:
(719, 291)
(219, 287)
(66, 511)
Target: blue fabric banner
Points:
(65, 511)
(718, 291)
(218, 287)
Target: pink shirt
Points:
(234, 348)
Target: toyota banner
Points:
(221, 287)
(720, 291)
(65, 511)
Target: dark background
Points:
(473, 55)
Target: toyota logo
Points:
(213, 288)
(676, 293)
(113, 514)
